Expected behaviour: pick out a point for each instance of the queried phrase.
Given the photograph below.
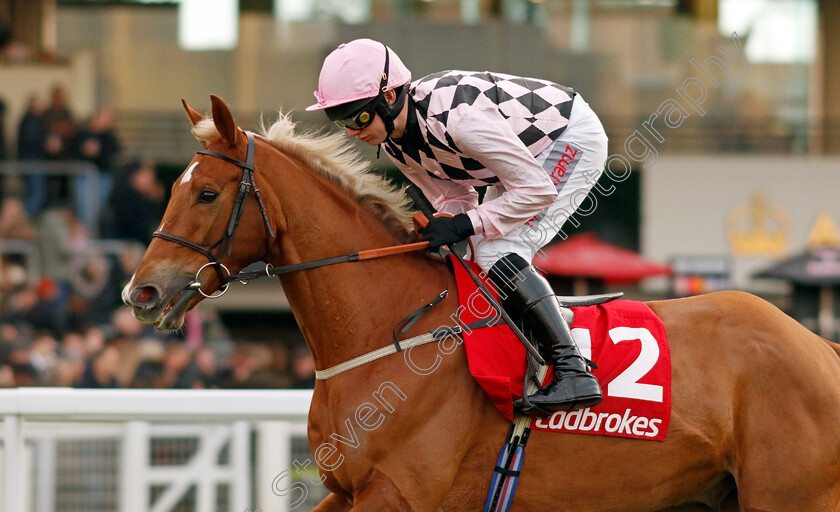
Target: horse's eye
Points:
(207, 196)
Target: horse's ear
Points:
(194, 116)
(224, 121)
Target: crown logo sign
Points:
(823, 233)
(758, 228)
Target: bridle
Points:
(245, 185)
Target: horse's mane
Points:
(333, 156)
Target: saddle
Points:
(586, 300)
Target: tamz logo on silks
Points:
(561, 168)
(566, 163)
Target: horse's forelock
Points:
(206, 132)
(333, 156)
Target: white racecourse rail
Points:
(218, 426)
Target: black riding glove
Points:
(447, 230)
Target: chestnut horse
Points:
(755, 402)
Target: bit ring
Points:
(221, 291)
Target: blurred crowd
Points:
(79, 167)
(70, 240)
(125, 353)
(14, 50)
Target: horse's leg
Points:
(787, 425)
(332, 503)
(773, 478)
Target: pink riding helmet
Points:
(353, 71)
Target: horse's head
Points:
(214, 225)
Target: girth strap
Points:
(511, 458)
(373, 356)
(436, 335)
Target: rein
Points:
(272, 271)
(245, 186)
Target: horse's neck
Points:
(347, 309)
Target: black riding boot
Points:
(529, 300)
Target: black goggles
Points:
(359, 121)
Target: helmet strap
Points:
(384, 111)
(388, 112)
(382, 107)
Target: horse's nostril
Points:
(145, 294)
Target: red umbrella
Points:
(584, 255)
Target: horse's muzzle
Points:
(162, 307)
(144, 298)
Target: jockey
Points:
(536, 145)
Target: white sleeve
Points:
(485, 136)
(446, 196)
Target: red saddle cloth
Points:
(624, 338)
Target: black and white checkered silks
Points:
(468, 129)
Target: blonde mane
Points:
(333, 156)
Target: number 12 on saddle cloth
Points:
(624, 338)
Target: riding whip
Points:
(420, 201)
